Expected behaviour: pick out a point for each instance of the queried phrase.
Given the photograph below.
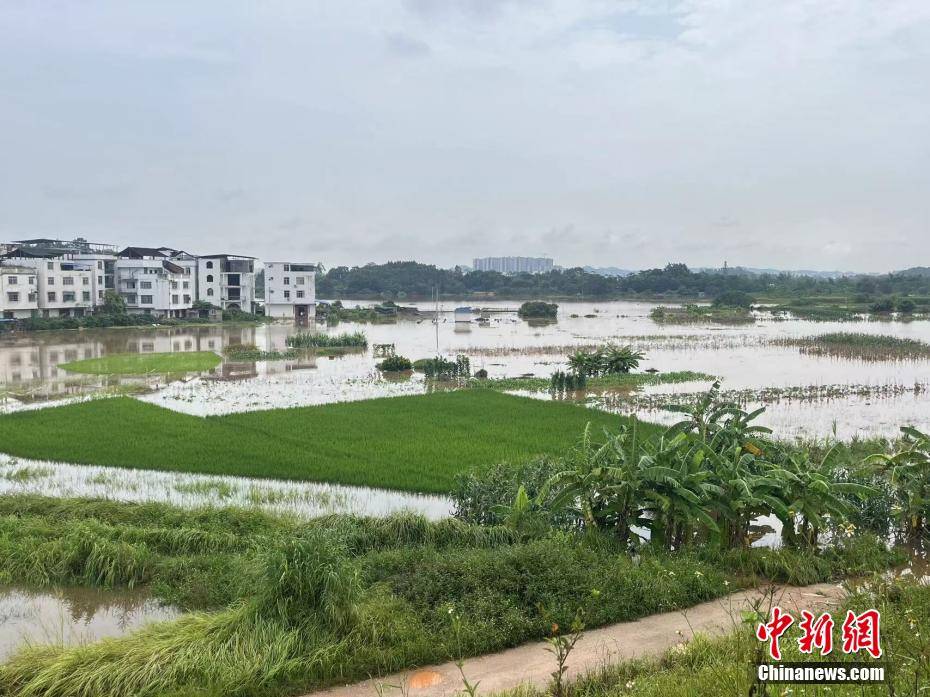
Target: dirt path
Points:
(651, 636)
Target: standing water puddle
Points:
(69, 616)
(303, 499)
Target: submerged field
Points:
(412, 443)
(144, 363)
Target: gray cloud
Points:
(612, 133)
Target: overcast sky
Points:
(786, 133)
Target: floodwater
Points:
(302, 499)
(745, 357)
(71, 616)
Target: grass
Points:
(690, 314)
(145, 363)
(316, 340)
(620, 381)
(415, 443)
(253, 353)
(721, 666)
(868, 347)
(337, 599)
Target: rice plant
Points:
(319, 340)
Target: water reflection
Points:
(72, 615)
(499, 342)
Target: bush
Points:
(538, 310)
(734, 298)
(395, 364)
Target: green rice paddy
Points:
(145, 363)
(415, 443)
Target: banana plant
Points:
(610, 486)
(908, 472)
(584, 362)
(814, 495)
(620, 359)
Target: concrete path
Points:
(648, 637)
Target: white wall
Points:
(19, 283)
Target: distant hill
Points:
(808, 273)
(922, 271)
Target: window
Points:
(32, 280)
(209, 266)
(13, 297)
(209, 278)
(51, 265)
(300, 294)
(67, 297)
(174, 300)
(100, 280)
(209, 291)
(51, 280)
(85, 295)
(51, 297)
(187, 298)
(146, 299)
(187, 284)
(174, 285)
(145, 285)
(300, 280)
(13, 280)
(287, 280)
(100, 294)
(67, 281)
(287, 295)
(85, 280)
(131, 284)
(100, 265)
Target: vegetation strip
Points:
(282, 606)
(530, 666)
(415, 443)
(868, 347)
(144, 363)
(719, 666)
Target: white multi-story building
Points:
(63, 286)
(290, 290)
(227, 281)
(19, 297)
(149, 281)
(514, 264)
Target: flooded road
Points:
(746, 357)
(70, 616)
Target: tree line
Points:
(413, 280)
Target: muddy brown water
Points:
(506, 346)
(70, 616)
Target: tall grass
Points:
(317, 340)
(868, 347)
(413, 443)
(342, 598)
(720, 666)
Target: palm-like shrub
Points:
(608, 360)
(619, 359)
(908, 473)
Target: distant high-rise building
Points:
(514, 264)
